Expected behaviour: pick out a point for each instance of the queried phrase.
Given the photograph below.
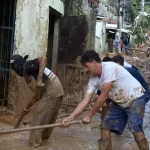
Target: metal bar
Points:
(10, 12)
(39, 127)
(13, 29)
(5, 88)
(7, 28)
(3, 69)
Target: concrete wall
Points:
(101, 34)
(31, 37)
(91, 18)
(31, 26)
(97, 44)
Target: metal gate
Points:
(7, 19)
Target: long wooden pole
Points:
(39, 127)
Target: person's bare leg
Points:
(141, 140)
(105, 141)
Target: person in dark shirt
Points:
(136, 74)
(48, 91)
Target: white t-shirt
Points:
(117, 37)
(125, 87)
(54, 86)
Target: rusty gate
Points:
(7, 18)
(72, 43)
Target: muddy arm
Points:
(42, 64)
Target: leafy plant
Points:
(141, 22)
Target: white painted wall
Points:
(31, 26)
(100, 37)
(97, 44)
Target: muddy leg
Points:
(35, 135)
(104, 111)
(52, 119)
(45, 111)
(141, 141)
(105, 142)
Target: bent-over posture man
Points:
(136, 74)
(51, 92)
(118, 84)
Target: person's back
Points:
(51, 81)
(136, 74)
(125, 41)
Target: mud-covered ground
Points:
(76, 137)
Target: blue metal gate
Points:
(7, 19)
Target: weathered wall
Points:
(97, 44)
(101, 33)
(31, 36)
(85, 9)
(19, 94)
(91, 17)
(71, 75)
(31, 26)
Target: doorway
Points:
(54, 16)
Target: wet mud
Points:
(76, 137)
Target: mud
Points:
(76, 137)
(19, 94)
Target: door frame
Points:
(55, 37)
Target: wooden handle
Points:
(39, 127)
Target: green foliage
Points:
(135, 5)
(141, 21)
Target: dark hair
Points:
(17, 64)
(106, 59)
(89, 56)
(118, 59)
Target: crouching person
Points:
(49, 92)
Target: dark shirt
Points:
(108, 100)
(136, 74)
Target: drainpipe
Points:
(119, 22)
(123, 17)
(142, 5)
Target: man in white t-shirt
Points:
(118, 84)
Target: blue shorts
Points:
(117, 117)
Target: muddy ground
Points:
(76, 137)
(79, 137)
